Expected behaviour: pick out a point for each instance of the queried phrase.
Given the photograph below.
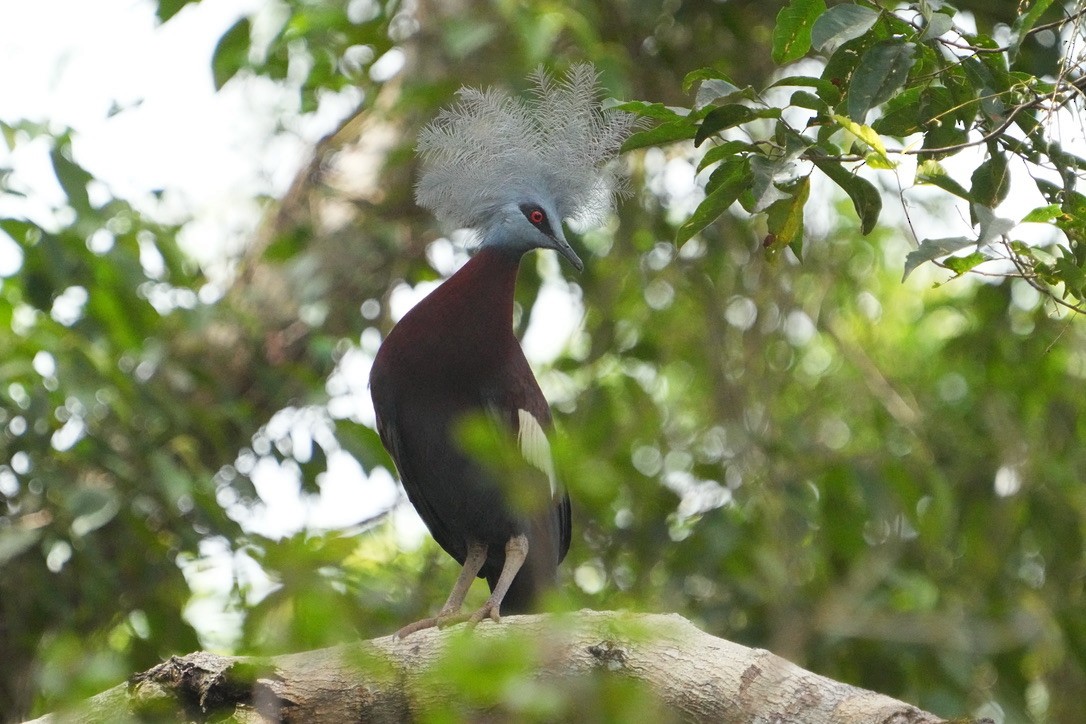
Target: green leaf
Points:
(287, 245)
(723, 151)
(9, 134)
(961, 264)
(803, 99)
(991, 181)
(657, 111)
(73, 178)
(168, 8)
(986, 85)
(704, 74)
(792, 33)
(840, 24)
(785, 217)
(1025, 23)
(827, 91)
(946, 136)
(662, 134)
(730, 116)
(931, 172)
(231, 53)
(881, 73)
(879, 161)
(718, 91)
(846, 59)
(901, 117)
(991, 227)
(1043, 214)
(931, 249)
(731, 179)
(763, 190)
(937, 106)
(939, 24)
(868, 135)
(364, 445)
(865, 197)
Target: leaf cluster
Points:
(894, 84)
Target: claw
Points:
(490, 609)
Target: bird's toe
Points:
(487, 610)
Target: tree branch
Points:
(693, 674)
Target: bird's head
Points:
(520, 226)
(513, 169)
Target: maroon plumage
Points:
(453, 354)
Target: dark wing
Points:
(413, 447)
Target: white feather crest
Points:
(492, 148)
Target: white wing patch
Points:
(535, 447)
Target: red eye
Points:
(536, 216)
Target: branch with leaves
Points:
(903, 83)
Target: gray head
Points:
(513, 170)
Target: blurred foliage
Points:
(880, 481)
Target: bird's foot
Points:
(441, 620)
(490, 609)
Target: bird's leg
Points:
(516, 551)
(449, 613)
(473, 562)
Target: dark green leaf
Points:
(930, 172)
(803, 99)
(723, 151)
(364, 444)
(865, 197)
(901, 116)
(938, 24)
(662, 134)
(944, 136)
(991, 181)
(881, 73)
(1025, 23)
(792, 34)
(168, 8)
(704, 74)
(840, 24)
(287, 245)
(763, 189)
(733, 179)
(231, 53)
(986, 85)
(719, 91)
(657, 111)
(846, 59)
(73, 178)
(729, 116)
(827, 91)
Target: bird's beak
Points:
(562, 247)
